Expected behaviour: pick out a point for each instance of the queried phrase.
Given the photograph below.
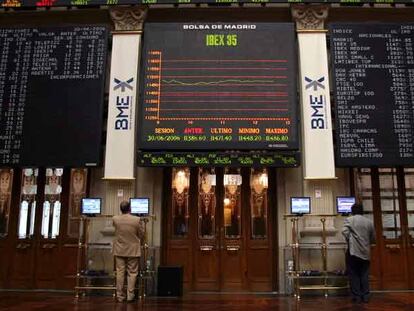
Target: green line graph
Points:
(267, 81)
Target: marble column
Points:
(318, 178)
(119, 181)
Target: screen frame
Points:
(172, 30)
(91, 214)
(337, 205)
(42, 117)
(291, 205)
(140, 198)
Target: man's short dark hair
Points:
(125, 207)
(357, 209)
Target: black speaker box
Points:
(170, 281)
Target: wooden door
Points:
(393, 234)
(226, 244)
(388, 201)
(261, 231)
(177, 224)
(232, 212)
(6, 185)
(207, 240)
(24, 241)
(42, 241)
(48, 243)
(409, 221)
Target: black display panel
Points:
(218, 86)
(373, 69)
(51, 95)
(85, 3)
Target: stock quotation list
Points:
(373, 66)
(51, 95)
(218, 86)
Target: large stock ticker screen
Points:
(51, 95)
(86, 3)
(374, 93)
(219, 86)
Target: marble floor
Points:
(51, 301)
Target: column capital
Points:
(309, 16)
(128, 18)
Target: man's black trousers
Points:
(358, 272)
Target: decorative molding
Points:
(129, 18)
(309, 16)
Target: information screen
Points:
(374, 93)
(300, 205)
(51, 95)
(91, 206)
(344, 204)
(83, 3)
(218, 86)
(139, 206)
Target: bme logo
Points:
(315, 83)
(123, 84)
(317, 103)
(123, 104)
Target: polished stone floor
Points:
(51, 301)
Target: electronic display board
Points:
(51, 95)
(218, 159)
(80, 3)
(373, 69)
(218, 86)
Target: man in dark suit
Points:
(359, 233)
(127, 250)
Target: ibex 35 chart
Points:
(218, 86)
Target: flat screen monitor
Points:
(91, 206)
(139, 206)
(300, 205)
(344, 204)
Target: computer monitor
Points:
(140, 206)
(344, 204)
(300, 205)
(91, 206)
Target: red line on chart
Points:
(231, 84)
(239, 83)
(264, 77)
(227, 60)
(223, 68)
(222, 119)
(225, 101)
(224, 94)
(225, 109)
